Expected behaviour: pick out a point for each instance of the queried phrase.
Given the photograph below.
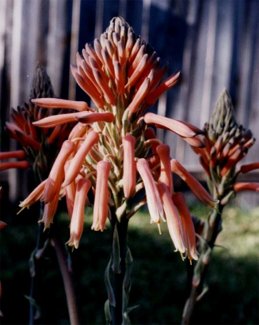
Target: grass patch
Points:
(159, 275)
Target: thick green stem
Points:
(212, 229)
(68, 284)
(116, 273)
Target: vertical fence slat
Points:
(74, 43)
(3, 5)
(56, 43)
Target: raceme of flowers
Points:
(39, 146)
(112, 152)
(226, 144)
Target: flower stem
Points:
(117, 275)
(211, 231)
(68, 284)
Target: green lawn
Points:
(159, 275)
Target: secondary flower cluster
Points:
(112, 152)
(226, 144)
(39, 146)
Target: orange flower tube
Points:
(77, 161)
(101, 200)
(188, 226)
(152, 194)
(129, 165)
(246, 186)
(50, 209)
(165, 177)
(61, 103)
(197, 189)
(34, 196)
(85, 117)
(23, 164)
(173, 220)
(56, 174)
(183, 129)
(77, 220)
(19, 154)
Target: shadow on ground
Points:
(159, 280)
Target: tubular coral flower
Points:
(77, 161)
(101, 200)
(248, 167)
(34, 196)
(246, 186)
(50, 209)
(173, 220)
(70, 192)
(139, 96)
(188, 226)
(197, 189)
(167, 84)
(61, 103)
(165, 177)
(77, 220)
(56, 175)
(84, 117)
(152, 195)
(179, 127)
(14, 164)
(185, 130)
(19, 154)
(78, 131)
(129, 165)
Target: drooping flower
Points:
(56, 175)
(129, 166)
(174, 223)
(188, 226)
(165, 177)
(197, 189)
(101, 208)
(77, 161)
(77, 220)
(154, 203)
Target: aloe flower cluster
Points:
(112, 152)
(39, 146)
(226, 144)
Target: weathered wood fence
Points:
(214, 43)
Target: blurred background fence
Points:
(214, 43)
